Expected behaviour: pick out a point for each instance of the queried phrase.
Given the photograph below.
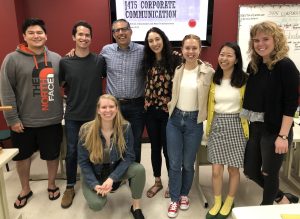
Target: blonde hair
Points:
(192, 36)
(280, 44)
(90, 133)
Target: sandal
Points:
(25, 197)
(158, 186)
(52, 192)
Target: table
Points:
(5, 156)
(265, 211)
(294, 152)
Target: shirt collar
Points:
(130, 46)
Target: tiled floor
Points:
(39, 206)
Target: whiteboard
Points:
(286, 16)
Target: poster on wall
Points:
(176, 18)
(286, 16)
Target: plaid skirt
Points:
(226, 142)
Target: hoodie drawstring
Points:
(35, 62)
(24, 49)
(45, 59)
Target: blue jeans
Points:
(72, 129)
(134, 113)
(183, 139)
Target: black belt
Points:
(128, 101)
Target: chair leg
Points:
(7, 167)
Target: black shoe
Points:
(210, 216)
(221, 216)
(137, 213)
(292, 198)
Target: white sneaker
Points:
(184, 203)
(173, 209)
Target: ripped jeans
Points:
(261, 163)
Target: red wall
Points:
(60, 15)
(9, 30)
(8, 35)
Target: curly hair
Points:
(166, 53)
(280, 44)
(89, 133)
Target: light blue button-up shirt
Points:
(125, 78)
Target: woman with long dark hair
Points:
(159, 63)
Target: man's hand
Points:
(18, 127)
(71, 53)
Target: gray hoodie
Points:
(29, 83)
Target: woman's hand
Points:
(98, 189)
(105, 188)
(281, 146)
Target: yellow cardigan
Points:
(211, 110)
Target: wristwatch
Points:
(284, 137)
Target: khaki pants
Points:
(136, 174)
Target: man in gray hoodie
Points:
(29, 83)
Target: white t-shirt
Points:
(188, 94)
(227, 98)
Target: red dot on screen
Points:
(192, 22)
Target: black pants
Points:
(133, 112)
(261, 163)
(156, 123)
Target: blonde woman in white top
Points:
(187, 111)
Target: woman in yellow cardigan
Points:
(227, 133)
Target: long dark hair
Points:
(167, 59)
(238, 77)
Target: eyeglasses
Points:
(123, 29)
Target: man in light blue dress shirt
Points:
(125, 79)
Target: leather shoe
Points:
(292, 198)
(137, 213)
